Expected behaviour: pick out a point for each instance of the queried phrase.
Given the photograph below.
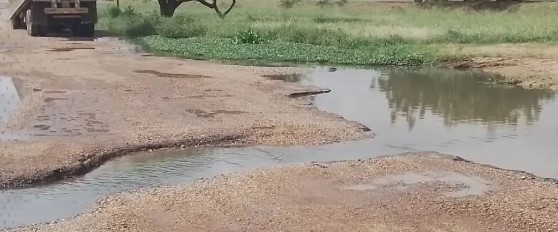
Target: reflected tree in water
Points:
(458, 97)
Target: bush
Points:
(132, 25)
(129, 11)
(114, 12)
(287, 4)
(248, 37)
(180, 27)
(325, 3)
(309, 35)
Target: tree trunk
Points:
(168, 7)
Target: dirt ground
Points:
(86, 101)
(410, 192)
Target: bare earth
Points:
(411, 192)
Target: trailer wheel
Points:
(17, 23)
(32, 29)
(88, 30)
(84, 30)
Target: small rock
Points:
(523, 177)
(318, 165)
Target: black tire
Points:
(32, 29)
(43, 30)
(84, 30)
(88, 30)
(76, 30)
(17, 23)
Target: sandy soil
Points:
(87, 101)
(410, 192)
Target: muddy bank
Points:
(411, 192)
(531, 73)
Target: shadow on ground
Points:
(476, 5)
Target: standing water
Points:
(446, 111)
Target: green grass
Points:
(360, 32)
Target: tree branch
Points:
(213, 5)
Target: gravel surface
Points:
(408, 192)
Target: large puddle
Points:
(446, 111)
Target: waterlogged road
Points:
(419, 110)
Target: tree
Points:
(168, 7)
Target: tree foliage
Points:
(168, 7)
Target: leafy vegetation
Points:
(248, 37)
(202, 48)
(349, 33)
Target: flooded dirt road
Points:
(70, 104)
(85, 101)
(413, 110)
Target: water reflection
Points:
(10, 97)
(458, 97)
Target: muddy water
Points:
(439, 110)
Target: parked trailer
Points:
(39, 16)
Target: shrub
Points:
(309, 35)
(132, 25)
(114, 12)
(325, 3)
(287, 4)
(248, 37)
(129, 11)
(180, 27)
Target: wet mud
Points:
(211, 114)
(69, 49)
(170, 75)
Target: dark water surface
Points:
(436, 110)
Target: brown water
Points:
(440, 110)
